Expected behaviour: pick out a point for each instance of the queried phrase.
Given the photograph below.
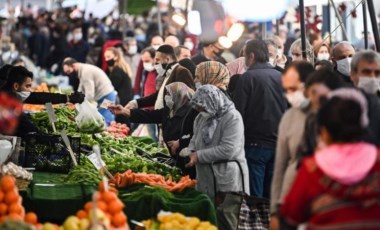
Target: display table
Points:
(54, 202)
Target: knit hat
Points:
(166, 49)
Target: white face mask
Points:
(169, 102)
(148, 66)
(159, 69)
(132, 50)
(370, 85)
(280, 52)
(23, 95)
(198, 85)
(189, 45)
(344, 66)
(77, 36)
(272, 62)
(156, 47)
(205, 114)
(323, 56)
(296, 98)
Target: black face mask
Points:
(164, 65)
(110, 62)
(219, 53)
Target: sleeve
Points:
(40, 98)
(189, 124)
(139, 73)
(241, 95)
(88, 87)
(146, 116)
(147, 101)
(296, 206)
(231, 132)
(184, 76)
(281, 161)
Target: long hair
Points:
(119, 60)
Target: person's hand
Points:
(119, 110)
(76, 97)
(274, 223)
(193, 160)
(132, 105)
(173, 145)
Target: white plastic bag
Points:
(89, 119)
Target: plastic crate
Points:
(48, 153)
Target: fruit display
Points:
(108, 210)
(169, 221)
(117, 130)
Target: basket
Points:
(48, 153)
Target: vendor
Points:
(19, 83)
(94, 83)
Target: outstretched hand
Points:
(119, 110)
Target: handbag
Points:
(237, 210)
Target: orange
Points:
(115, 206)
(14, 216)
(31, 218)
(88, 206)
(2, 219)
(119, 220)
(102, 206)
(108, 196)
(7, 183)
(11, 197)
(3, 209)
(15, 208)
(81, 214)
(1, 196)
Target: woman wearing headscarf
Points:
(218, 135)
(212, 73)
(177, 118)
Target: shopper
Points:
(336, 188)
(213, 73)
(341, 57)
(260, 100)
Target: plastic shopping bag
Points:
(89, 119)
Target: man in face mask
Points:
(210, 52)
(78, 48)
(365, 71)
(341, 58)
(273, 54)
(168, 71)
(131, 55)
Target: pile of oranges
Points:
(110, 204)
(11, 203)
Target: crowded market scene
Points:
(189, 114)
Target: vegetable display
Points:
(129, 178)
(117, 130)
(16, 171)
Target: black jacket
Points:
(122, 84)
(179, 74)
(179, 127)
(345, 78)
(40, 98)
(260, 99)
(199, 58)
(373, 133)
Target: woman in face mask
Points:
(218, 135)
(119, 74)
(322, 53)
(177, 118)
(213, 73)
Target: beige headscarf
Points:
(213, 73)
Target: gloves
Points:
(76, 97)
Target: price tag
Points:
(98, 163)
(51, 115)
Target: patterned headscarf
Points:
(181, 95)
(215, 103)
(213, 73)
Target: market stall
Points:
(67, 174)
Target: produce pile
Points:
(129, 178)
(16, 171)
(117, 130)
(169, 221)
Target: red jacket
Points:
(327, 204)
(148, 87)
